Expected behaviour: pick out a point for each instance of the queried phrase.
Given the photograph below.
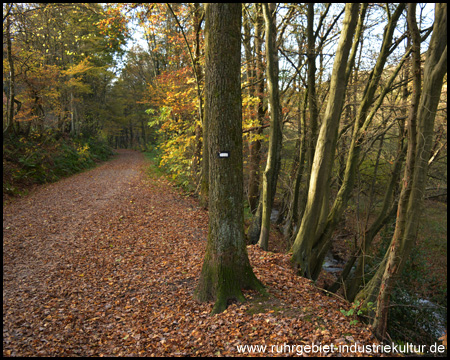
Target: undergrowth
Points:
(418, 305)
(157, 169)
(47, 157)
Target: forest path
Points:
(87, 248)
(105, 262)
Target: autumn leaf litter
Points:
(105, 263)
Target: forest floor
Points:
(105, 262)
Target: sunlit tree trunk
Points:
(197, 20)
(226, 268)
(273, 157)
(414, 181)
(254, 229)
(326, 143)
(11, 90)
(312, 132)
(255, 141)
(364, 118)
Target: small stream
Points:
(332, 265)
(274, 215)
(438, 325)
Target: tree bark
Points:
(313, 112)
(12, 81)
(418, 155)
(294, 216)
(254, 229)
(323, 238)
(273, 157)
(255, 143)
(197, 20)
(326, 144)
(226, 267)
(204, 181)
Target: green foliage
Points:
(155, 170)
(357, 309)
(154, 157)
(366, 173)
(47, 157)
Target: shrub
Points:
(46, 157)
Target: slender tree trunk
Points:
(226, 267)
(254, 229)
(12, 80)
(273, 157)
(313, 112)
(294, 215)
(312, 99)
(255, 142)
(326, 144)
(204, 182)
(196, 23)
(323, 237)
(249, 83)
(418, 155)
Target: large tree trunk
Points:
(418, 155)
(326, 143)
(226, 267)
(273, 157)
